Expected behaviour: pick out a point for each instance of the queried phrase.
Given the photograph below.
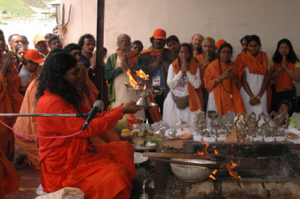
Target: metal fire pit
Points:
(267, 170)
(255, 160)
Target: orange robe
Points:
(283, 81)
(200, 60)
(226, 93)
(27, 126)
(103, 172)
(9, 178)
(256, 65)
(10, 101)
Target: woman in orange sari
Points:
(253, 66)
(286, 70)
(103, 171)
(221, 81)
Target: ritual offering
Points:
(125, 134)
(185, 134)
(292, 136)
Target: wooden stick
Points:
(178, 155)
(211, 166)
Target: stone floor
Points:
(29, 181)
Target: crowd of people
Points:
(199, 75)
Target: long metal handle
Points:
(43, 114)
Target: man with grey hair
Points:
(14, 40)
(118, 64)
(207, 56)
(196, 43)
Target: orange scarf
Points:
(256, 65)
(227, 95)
(283, 80)
(152, 52)
(132, 56)
(194, 101)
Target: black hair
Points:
(52, 78)
(54, 51)
(291, 57)
(48, 35)
(254, 38)
(172, 38)
(288, 104)
(246, 37)
(70, 47)
(189, 47)
(138, 42)
(105, 50)
(1, 32)
(55, 27)
(18, 47)
(52, 38)
(10, 36)
(224, 45)
(24, 39)
(151, 40)
(83, 37)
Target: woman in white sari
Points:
(183, 80)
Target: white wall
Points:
(220, 19)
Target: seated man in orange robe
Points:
(27, 126)
(68, 158)
(223, 85)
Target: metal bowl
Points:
(191, 173)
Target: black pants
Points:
(205, 99)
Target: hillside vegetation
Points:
(21, 8)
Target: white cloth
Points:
(65, 193)
(255, 82)
(123, 93)
(211, 103)
(24, 75)
(178, 86)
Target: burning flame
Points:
(216, 152)
(142, 75)
(132, 80)
(230, 166)
(212, 175)
(204, 152)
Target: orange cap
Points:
(160, 34)
(38, 38)
(33, 55)
(220, 42)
